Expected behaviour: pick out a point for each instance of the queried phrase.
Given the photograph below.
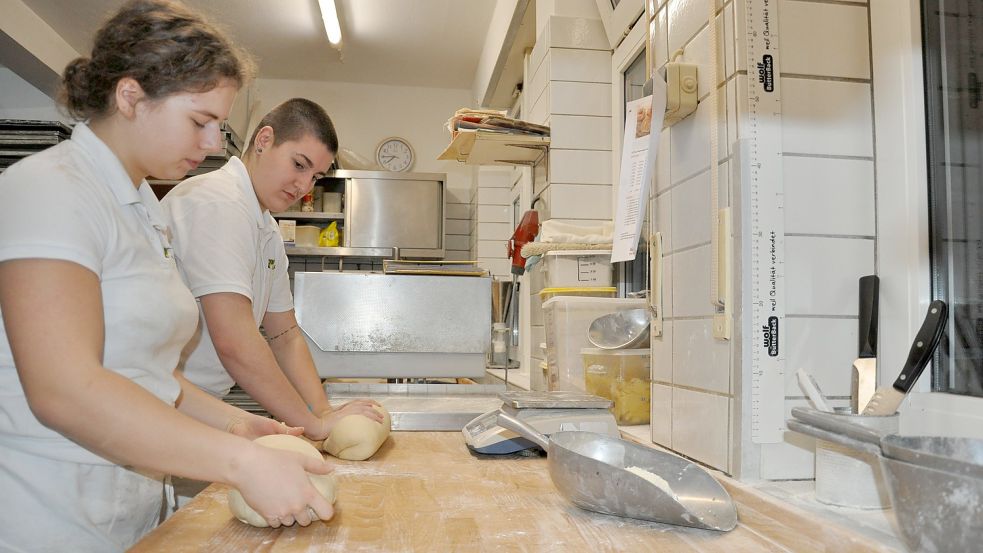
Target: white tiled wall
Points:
(569, 89)
(828, 175)
(459, 220)
(829, 207)
(693, 393)
(829, 180)
(493, 222)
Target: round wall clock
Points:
(395, 154)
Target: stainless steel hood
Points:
(369, 324)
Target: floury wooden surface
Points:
(423, 491)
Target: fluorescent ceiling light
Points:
(330, 17)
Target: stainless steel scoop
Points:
(620, 330)
(592, 471)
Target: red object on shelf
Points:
(524, 233)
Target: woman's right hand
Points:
(275, 484)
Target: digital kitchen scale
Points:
(547, 412)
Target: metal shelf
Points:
(339, 252)
(309, 216)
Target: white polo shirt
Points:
(224, 242)
(75, 202)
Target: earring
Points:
(259, 150)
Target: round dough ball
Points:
(325, 483)
(357, 437)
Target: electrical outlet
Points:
(682, 91)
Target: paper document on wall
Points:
(643, 126)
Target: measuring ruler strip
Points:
(764, 224)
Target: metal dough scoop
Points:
(612, 476)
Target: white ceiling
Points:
(432, 43)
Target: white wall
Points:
(19, 99)
(365, 114)
(498, 29)
(31, 47)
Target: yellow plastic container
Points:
(621, 375)
(587, 291)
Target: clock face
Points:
(394, 154)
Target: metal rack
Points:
(374, 219)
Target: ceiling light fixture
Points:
(330, 16)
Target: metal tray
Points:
(554, 400)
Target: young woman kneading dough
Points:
(95, 314)
(230, 253)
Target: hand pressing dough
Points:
(357, 437)
(325, 483)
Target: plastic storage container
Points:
(566, 319)
(307, 236)
(565, 268)
(288, 230)
(331, 202)
(621, 375)
(592, 292)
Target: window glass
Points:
(953, 36)
(632, 276)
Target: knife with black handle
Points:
(887, 399)
(864, 382)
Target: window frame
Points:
(903, 257)
(617, 19)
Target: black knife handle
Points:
(923, 347)
(867, 339)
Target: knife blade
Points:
(864, 381)
(888, 398)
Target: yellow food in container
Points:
(588, 291)
(623, 377)
(306, 236)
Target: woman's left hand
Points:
(330, 417)
(252, 426)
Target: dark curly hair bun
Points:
(161, 44)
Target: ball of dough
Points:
(357, 437)
(325, 483)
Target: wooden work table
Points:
(424, 491)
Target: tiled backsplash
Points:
(829, 209)
(569, 77)
(829, 202)
(459, 220)
(493, 219)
